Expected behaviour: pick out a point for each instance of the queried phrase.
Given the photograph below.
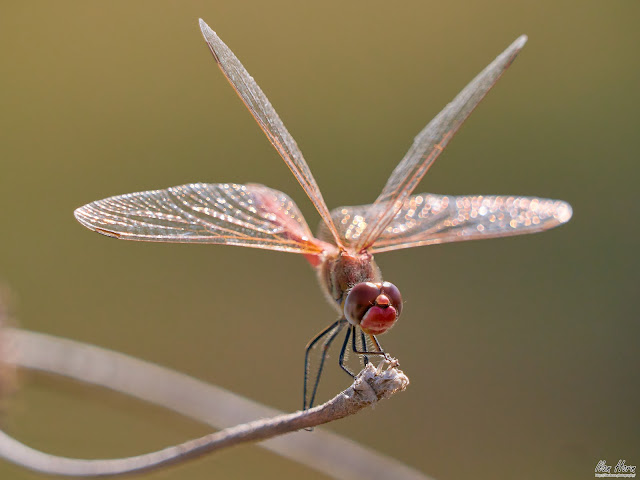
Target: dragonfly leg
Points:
(330, 333)
(370, 352)
(363, 342)
(343, 351)
(375, 340)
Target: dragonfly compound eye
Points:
(373, 306)
(391, 291)
(361, 297)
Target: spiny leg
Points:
(332, 330)
(325, 349)
(343, 350)
(363, 341)
(374, 340)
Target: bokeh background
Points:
(522, 352)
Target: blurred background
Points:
(522, 352)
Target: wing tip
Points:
(203, 26)
(564, 212)
(82, 215)
(512, 51)
(520, 41)
(207, 32)
(211, 38)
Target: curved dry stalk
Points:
(323, 451)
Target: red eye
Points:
(391, 291)
(373, 306)
(361, 297)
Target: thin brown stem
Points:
(122, 373)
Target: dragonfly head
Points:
(374, 307)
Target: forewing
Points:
(427, 219)
(269, 121)
(430, 142)
(219, 213)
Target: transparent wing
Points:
(269, 121)
(427, 219)
(220, 213)
(430, 142)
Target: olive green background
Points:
(522, 352)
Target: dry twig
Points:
(123, 373)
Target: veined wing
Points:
(427, 219)
(269, 121)
(430, 142)
(218, 213)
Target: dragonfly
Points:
(341, 253)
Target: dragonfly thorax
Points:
(353, 284)
(340, 272)
(343, 272)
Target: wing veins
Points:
(253, 216)
(432, 139)
(258, 104)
